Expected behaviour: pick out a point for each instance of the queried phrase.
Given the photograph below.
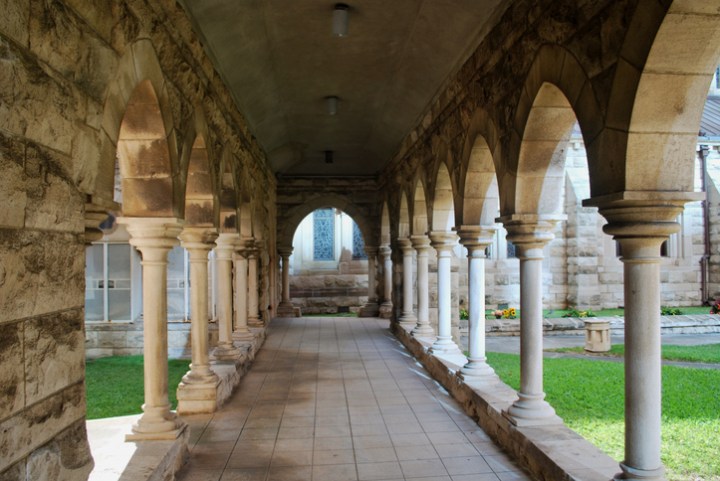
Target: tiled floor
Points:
(335, 399)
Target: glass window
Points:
(107, 282)
(177, 284)
(324, 235)
(358, 246)
(511, 250)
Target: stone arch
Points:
(479, 202)
(404, 216)
(200, 199)
(293, 217)
(657, 98)
(443, 206)
(139, 65)
(228, 195)
(557, 93)
(419, 209)
(146, 166)
(385, 225)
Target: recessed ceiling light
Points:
(340, 20)
(331, 103)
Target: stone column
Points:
(254, 319)
(197, 392)
(285, 308)
(386, 306)
(371, 308)
(225, 350)
(241, 332)
(154, 237)
(443, 242)
(641, 222)
(476, 239)
(408, 318)
(530, 233)
(421, 244)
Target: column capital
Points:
(384, 251)
(476, 237)
(634, 214)
(285, 251)
(443, 241)
(149, 232)
(530, 230)
(420, 243)
(225, 243)
(200, 238)
(405, 244)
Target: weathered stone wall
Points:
(322, 292)
(66, 72)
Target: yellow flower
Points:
(512, 312)
(506, 313)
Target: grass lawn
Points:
(589, 396)
(115, 385)
(709, 353)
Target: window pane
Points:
(358, 243)
(93, 281)
(119, 282)
(324, 235)
(176, 284)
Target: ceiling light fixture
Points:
(340, 20)
(328, 156)
(331, 103)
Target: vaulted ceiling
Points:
(280, 60)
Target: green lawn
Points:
(115, 385)
(589, 396)
(709, 353)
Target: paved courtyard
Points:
(335, 399)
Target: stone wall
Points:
(67, 70)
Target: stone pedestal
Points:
(476, 239)
(197, 392)
(597, 336)
(241, 333)
(640, 222)
(530, 233)
(371, 308)
(443, 242)
(421, 244)
(154, 237)
(225, 350)
(386, 307)
(408, 318)
(285, 308)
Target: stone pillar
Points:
(197, 392)
(386, 306)
(241, 332)
(641, 222)
(476, 239)
(225, 350)
(408, 318)
(285, 308)
(371, 308)
(421, 244)
(443, 243)
(154, 237)
(530, 233)
(254, 319)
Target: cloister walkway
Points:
(337, 399)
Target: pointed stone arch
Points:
(403, 216)
(385, 237)
(443, 206)
(200, 198)
(419, 222)
(228, 194)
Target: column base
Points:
(197, 398)
(255, 322)
(285, 309)
(408, 320)
(445, 345)
(424, 330)
(226, 353)
(531, 410)
(243, 336)
(385, 310)
(477, 371)
(657, 474)
(157, 429)
(371, 309)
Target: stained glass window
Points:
(324, 235)
(358, 249)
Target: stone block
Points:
(65, 457)
(54, 354)
(12, 382)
